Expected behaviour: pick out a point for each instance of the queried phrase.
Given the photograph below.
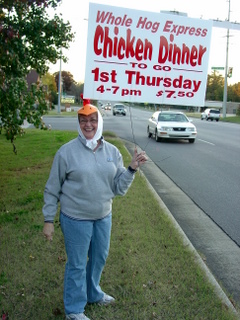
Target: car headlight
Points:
(191, 129)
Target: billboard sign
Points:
(140, 56)
(67, 99)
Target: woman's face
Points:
(89, 125)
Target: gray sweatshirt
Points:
(85, 182)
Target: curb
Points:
(212, 280)
(217, 288)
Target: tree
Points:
(67, 80)
(48, 81)
(234, 92)
(29, 39)
(215, 87)
(76, 90)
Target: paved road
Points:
(182, 162)
(208, 171)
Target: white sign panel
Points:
(140, 56)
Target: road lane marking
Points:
(207, 142)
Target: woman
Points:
(86, 174)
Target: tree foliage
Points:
(234, 92)
(76, 90)
(48, 81)
(67, 80)
(215, 87)
(29, 39)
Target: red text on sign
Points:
(172, 53)
(135, 77)
(148, 25)
(130, 47)
(104, 76)
(120, 47)
(109, 18)
(176, 29)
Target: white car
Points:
(171, 125)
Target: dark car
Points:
(119, 109)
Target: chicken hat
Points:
(87, 108)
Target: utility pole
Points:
(60, 85)
(226, 69)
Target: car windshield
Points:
(172, 117)
(118, 107)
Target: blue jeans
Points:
(87, 245)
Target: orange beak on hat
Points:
(87, 108)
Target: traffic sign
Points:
(217, 68)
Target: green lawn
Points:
(150, 272)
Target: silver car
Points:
(210, 114)
(119, 109)
(171, 125)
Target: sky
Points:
(76, 12)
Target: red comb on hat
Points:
(85, 101)
(87, 107)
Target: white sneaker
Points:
(78, 316)
(106, 300)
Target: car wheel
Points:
(149, 133)
(191, 140)
(217, 120)
(156, 136)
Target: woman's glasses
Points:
(85, 121)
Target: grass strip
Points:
(149, 271)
